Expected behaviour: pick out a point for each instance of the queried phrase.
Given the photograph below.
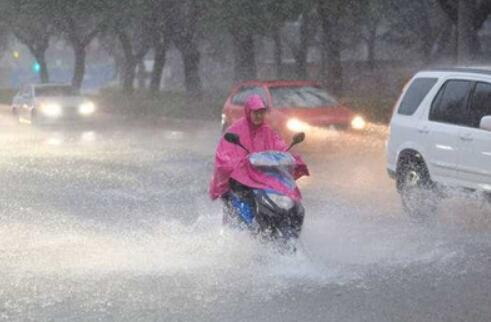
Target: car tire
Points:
(33, 117)
(487, 197)
(418, 193)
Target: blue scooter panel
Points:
(242, 208)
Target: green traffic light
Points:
(36, 67)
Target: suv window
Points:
(241, 97)
(415, 94)
(450, 104)
(480, 103)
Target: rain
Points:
(110, 117)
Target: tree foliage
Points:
(145, 26)
(30, 21)
(80, 21)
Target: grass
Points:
(6, 95)
(375, 109)
(208, 107)
(164, 104)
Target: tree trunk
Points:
(37, 45)
(129, 64)
(40, 56)
(335, 68)
(455, 45)
(301, 63)
(191, 59)
(302, 51)
(371, 54)
(141, 75)
(278, 53)
(244, 56)
(441, 48)
(79, 69)
(128, 77)
(129, 72)
(466, 9)
(332, 70)
(118, 69)
(158, 68)
(181, 29)
(371, 47)
(427, 48)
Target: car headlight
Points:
(358, 123)
(86, 108)
(281, 201)
(51, 109)
(296, 125)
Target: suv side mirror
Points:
(485, 123)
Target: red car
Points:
(295, 106)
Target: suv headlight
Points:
(86, 108)
(281, 201)
(51, 109)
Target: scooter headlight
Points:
(281, 201)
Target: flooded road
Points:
(112, 222)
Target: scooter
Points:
(272, 211)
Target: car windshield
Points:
(55, 91)
(301, 96)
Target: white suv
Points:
(440, 136)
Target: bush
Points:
(6, 95)
(374, 109)
(209, 106)
(165, 104)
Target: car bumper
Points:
(67, 116)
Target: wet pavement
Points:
(111, 222)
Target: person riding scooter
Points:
(255, 136)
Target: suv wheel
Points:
(419, 198)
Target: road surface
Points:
(111, 222)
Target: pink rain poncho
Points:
(230, 158)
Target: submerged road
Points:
(111, 222)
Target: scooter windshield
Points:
(279, 165)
